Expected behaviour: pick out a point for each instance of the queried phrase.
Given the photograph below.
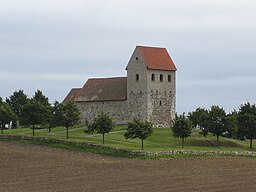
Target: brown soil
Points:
(37, 168)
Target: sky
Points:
(55, 45)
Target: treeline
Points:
(239, 124)
(20, 110)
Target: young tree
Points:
(102, 124)
(139, 129)
(247, 121)
(217, 122)
(66, 115)
(16, 101)
(181, 127)
(34, 113)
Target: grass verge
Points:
(118, 153)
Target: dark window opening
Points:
(160, 103)
(137, 77)
(153, 77)
(169, 78)
(137, 58)
(161, 78)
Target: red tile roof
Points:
(73, 93)
(157, 58)
(104, 89)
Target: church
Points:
(148, 92)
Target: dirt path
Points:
(37, 168)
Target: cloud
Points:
(58, 44)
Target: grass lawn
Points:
(161, 140)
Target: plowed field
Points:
(38, 168)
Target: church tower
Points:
(151, 86)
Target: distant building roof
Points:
(157, 58)
(104, 89)
(73, 93)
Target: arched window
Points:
(160, 103)
(161, 77)
(137, 77)
(153, 77)
(169, 78)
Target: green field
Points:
(161, 140)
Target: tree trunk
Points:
(2, 129)
(49, 129)
(250, 143)
(218, 140)
(67, 131)
(142, 144)
(103, 138)
(33, 130)
(182, 143)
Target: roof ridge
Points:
(146, 46)
(101, 78)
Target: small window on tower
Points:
(161, 78)
(137, 58)
(160, 103)
(169, 78)
(137, 77)
(153, 77)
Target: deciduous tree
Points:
(34, 113)
(247, 121)
(217, 122)
(139, 129)
(41, 98)
(66, 115)
(6, 115)
(102, 124)
(232, 125)
(16, 101)
(199, 119)
(181, 127)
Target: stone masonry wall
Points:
(116, 109)
(161, 98)
(137, 89)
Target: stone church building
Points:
(147, 93)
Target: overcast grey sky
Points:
(54, 45)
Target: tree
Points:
(41, 98)
(232, 125)
(199, 118)
(139, 129)
(66, 115)
(55, 115)
(247, 121)
(181, 127)
(34, 113)
(6, 115)
(102, 124)
(217, 122)
(44, 101)
(16, 101)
